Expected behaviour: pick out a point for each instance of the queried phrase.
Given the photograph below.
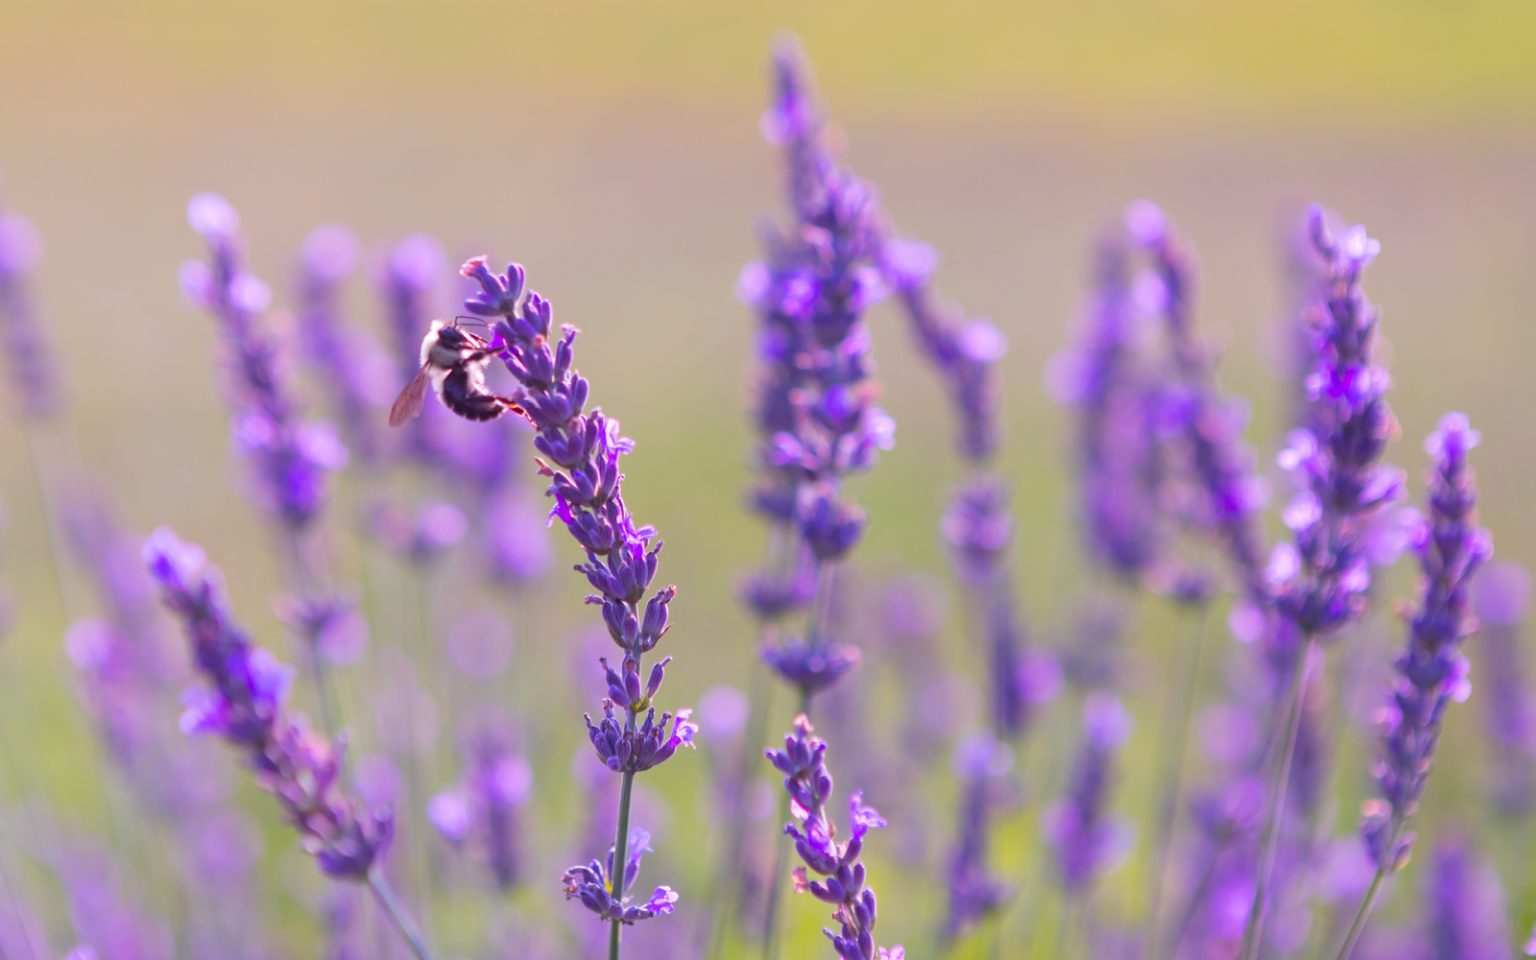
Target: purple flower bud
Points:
(33, 374)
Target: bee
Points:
(453, 361)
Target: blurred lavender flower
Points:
(974, 894)
(1085, 840)
(290, 456)
(582, 452)
(102, 913)
(1501, 597)
(1220, 464)
(1320, 581)
(354, 370)
(34, 377)
(480, 814)
(815, 409)
(245, 706)
(1118, 459)
(1434, 672)
(1464, 902)
(841, 876)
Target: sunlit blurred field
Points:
(614, 149)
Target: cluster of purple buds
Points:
(244, 703)
(1320, 582)
(840, 874)
(1433, 670)
(291, 457)
(580, 454)
(816, 410)
(1217, 462)
(481, 813)
(33, 376)
(1119, 460)
(1084, 838)
(974, 893)
(589, 883)
(355, 372)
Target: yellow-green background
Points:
(613, 148)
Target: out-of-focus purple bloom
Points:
(480, 814)
(1086, 841)
(244, 704)
(1465, 906)
(974, 893)
(435, 528)
(33, 375)
(1118, 461)
(481, 644)
(840, 875)
(815, 409)
(1501, 596)
(1433, 671)
(290, 457)
(354, 371)
(103, 915)
(1211, 426)
(590, 884)
(1320, 581)
(331, 624)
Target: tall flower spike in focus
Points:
(1432, 670)
(580, 454)
(832, 871)
(290, 457)
(816, 411)
(244, 703)
(1319, 582)
(33, 376)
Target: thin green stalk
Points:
(780, 868)
(759, 700)
(1253, 932)
(1171, 768)
(620, 853)
(385, 895)
(1357, 925)
(304, 585)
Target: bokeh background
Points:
(614, 148)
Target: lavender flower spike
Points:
(32, 371)
(841, 878)
(1085, 840)
(816, 408)
(1432, 670)
(245, 705)
(290, 456)
(581, 454)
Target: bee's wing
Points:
(408, 404)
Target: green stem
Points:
(1171, 767)
(1357, 925)
(385, 895)
(780, 865)
(620, 852)
(1253, 932)
(750, 749)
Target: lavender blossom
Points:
(290, 457)
(34, 377)
(974, 894)
(581, 459)
(245, 705)
(1433, 670)
(1465, 905)
(1320, 581)
(591, 885)
(1501, 597)
(815, 411)
(481, 814)
(1210, 425)
(841, 878)
(1085, 840)
(354, 371)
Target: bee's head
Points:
(443, 345)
